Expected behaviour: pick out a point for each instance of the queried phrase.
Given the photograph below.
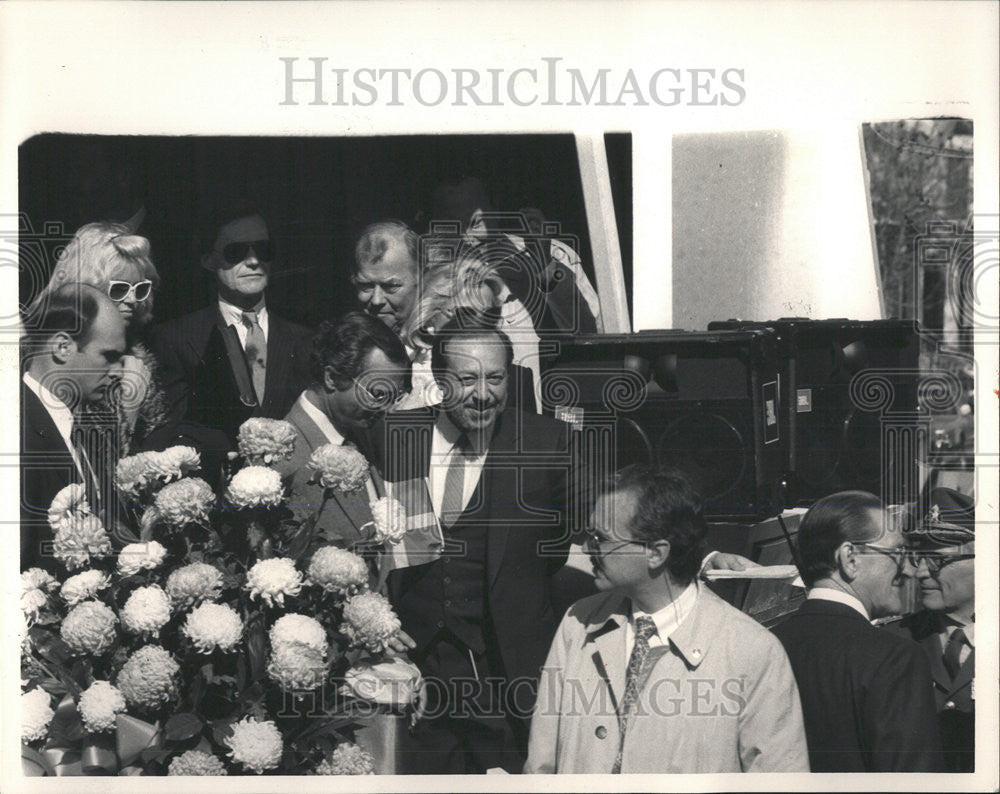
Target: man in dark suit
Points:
(944, 546)
(233, 359)
(359, 370)
(867, 695)
(491, 487)
(72, 359)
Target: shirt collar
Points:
(446, 436)
(322, 421)
(61, 415)
(233, 315)
(839, 596)
(673, 614)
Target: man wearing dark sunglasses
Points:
(234, 358)
(942, 551)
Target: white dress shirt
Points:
(233, 315)
(830, 594)
(62, 417)
(443, 443)
(333, 435)
(666, 619)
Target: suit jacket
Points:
(344, 514)
(866, 693)
(718, 696)
(524, 511)
(955, 700)
(46, 468)
(199, 380)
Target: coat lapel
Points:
(609, 656)
(495, 493)
(278, 358)
(965, 675)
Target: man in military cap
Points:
(943, 546)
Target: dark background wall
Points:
(318, 193)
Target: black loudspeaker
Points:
(703, 402)
(832, 424)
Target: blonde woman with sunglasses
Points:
(115, 260)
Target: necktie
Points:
(256, 350)
(953, 652)
(79, 438)
(453, 501)
(644, 629)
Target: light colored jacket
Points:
(719, 696)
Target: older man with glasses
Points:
(943, 555)
(866, 693)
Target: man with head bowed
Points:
(73, 357)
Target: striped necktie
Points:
(453, 501)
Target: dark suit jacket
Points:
(46, 468)
(524, 490)
(955, 701)
(866, 693)
(344, 514)
(199, 380)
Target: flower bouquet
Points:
(206, 648)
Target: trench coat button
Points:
(950, 704)
(440, 624)
(696, 653)
(601, 732)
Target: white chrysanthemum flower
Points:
(263, 441)
(273, 579)
(69, 506)
(146, 611)
(184, 502)
(134, 473)
(370, 622)
(340, 467)
(36, 584)
(338, 571)
(36, 714)
(84, 586)
(174, 463)
(347, 759)
(255, 486)
(77, 542)
(149, 677)
(256, 745)
(196, 762)
(390, 520)
(296, 667)
(99, 705)
(299, 630)
(89, 628)
(212, 626)
(137, 557)
(194, 583)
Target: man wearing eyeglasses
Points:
(234, 358)
(867, 694)
(943, 545)
(359, 371)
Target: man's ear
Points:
(848, 561)
(657, 553)
(61, 346)
(330, 380)
(208, 261)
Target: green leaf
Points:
(182, 726)
(66, 728)
(222, 730)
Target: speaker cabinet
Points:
(831, 440)
(706, 403)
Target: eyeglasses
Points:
(234, 253)
(120, 290)
(381, 396)
(936, 562)
(592, 543)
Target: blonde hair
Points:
(96, 252)
(447, 286)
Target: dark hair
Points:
(467, 324)
(71, 309)
(344, 344)
(667, 508)
(832, 521)
(222, 214)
